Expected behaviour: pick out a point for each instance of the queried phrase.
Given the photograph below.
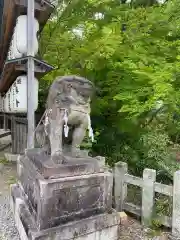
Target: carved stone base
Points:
(71, 166)
(59, 200)
(100, 227)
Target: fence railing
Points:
(149, 187)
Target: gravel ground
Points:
(133, 231)
(8, 231)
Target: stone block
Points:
(71, 166)
(124, 218)
(98, 227)
(56, 201)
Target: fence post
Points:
(120, 188)
(12, 133)
(149, 178)
(176, 205)
(5, 123)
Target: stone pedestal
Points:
(65, 201)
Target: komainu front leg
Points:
(78, 136)
(55, 136)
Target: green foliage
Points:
(4, 161)
(163, 206)
(131, 53)
(12, 180)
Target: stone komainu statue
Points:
(67, 116)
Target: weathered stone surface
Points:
(56, 201)
(67, 116)
(49, 196)
(71, 166)
(98, 227)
